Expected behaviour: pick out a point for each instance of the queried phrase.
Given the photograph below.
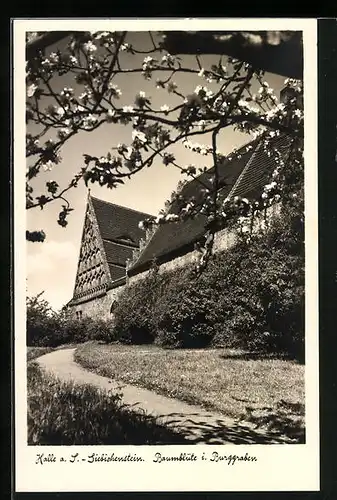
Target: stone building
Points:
(110, 235)
(115, 251)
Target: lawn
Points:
(64, 413)
(269, 392)
(35, 352)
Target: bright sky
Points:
(51, 265)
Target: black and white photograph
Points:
(166, 223)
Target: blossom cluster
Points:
(94, 100)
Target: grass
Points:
(35, 352)
(268, 392)
(63, 413)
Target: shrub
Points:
(249, 297)
(182, 311)
(35, 352)
(46, 328)
(135, 311)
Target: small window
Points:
(79, 314)
(125, 238)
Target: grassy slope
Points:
(36, 352)
(62, 413)
(267, 391)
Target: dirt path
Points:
(195, 423)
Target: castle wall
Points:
(98, 307)
(223, 240)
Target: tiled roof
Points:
(116, 222)
(258, 171)
(116, 272)
(120, 233)
(245, 176)
(116, 254)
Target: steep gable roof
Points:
(116, 222)
(118, 227)
(244, 176)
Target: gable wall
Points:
(99, 307)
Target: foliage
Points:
(36, 352)
(250, 296)
(63, 413)
(96, 62)
(47, 328)
(135, 310)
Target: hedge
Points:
(250, 296)
(47, 328)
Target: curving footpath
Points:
(193, 422)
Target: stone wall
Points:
(99, 307)
(223, 240)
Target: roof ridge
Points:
(138, 252)
(133, 261)
(221, 163)
(121, 206)
(243, 171)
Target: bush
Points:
(182, 312)
(63, 413)
(47, 328)
(135, 311)
(249, 297)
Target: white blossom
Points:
(31, 90)
(110, 114)
(73, 60)
(115, 90)
(136, 134)
(128, 153)
(64, 132)
(128, 109)
(89, 121)
(172, 217)
(54, 57)
(89, 47)
(49, 165)
(165, 108)
(203, 92)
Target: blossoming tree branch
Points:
(95, 62)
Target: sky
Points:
(51, 265)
